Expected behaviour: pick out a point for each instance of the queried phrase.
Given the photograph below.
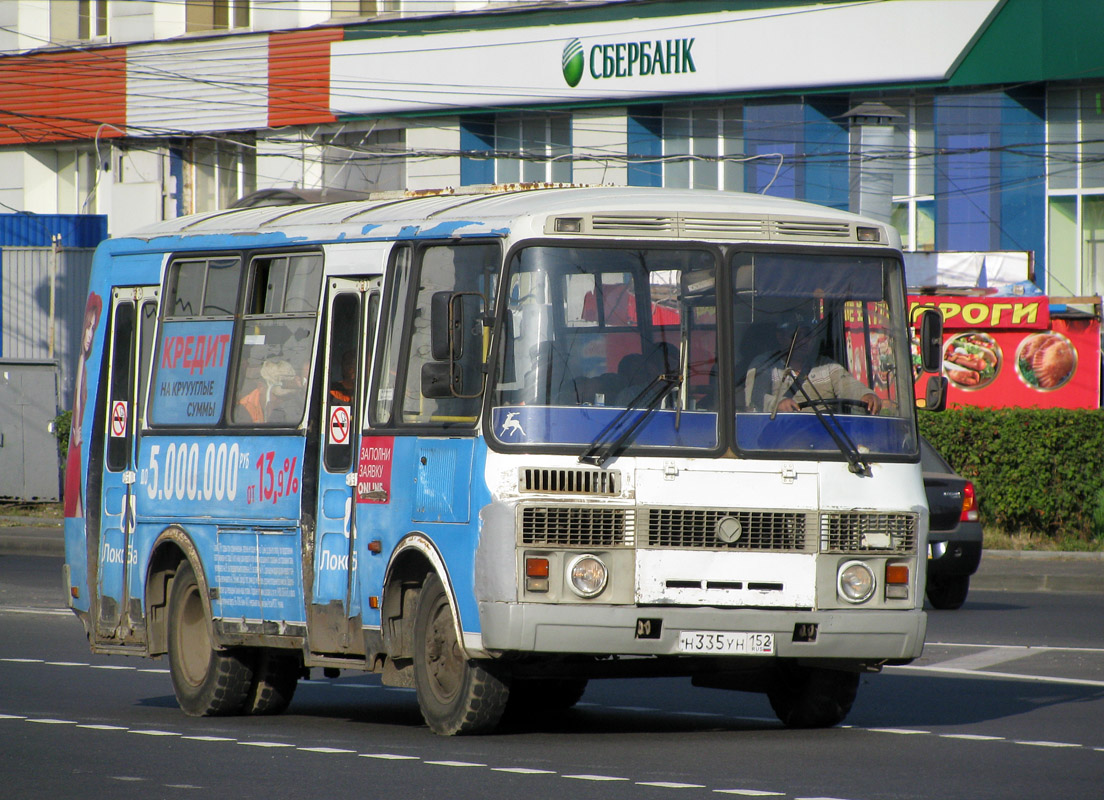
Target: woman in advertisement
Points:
(74, 503)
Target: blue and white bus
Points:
(492, 445)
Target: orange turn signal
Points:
(896, 573)
(536, 568)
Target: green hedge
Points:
(1037, 471)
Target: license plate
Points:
(738, 642)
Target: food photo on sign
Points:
(1004, 351)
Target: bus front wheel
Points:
(812, 697)
(207, 682)
(455, 694)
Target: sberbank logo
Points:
(573, 62)
(628, 59)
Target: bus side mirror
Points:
(935, 393)
(446, 321)
(442, 379)
(931, 340)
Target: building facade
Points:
(975, 126)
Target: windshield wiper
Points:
(855, 462)
(599, 451)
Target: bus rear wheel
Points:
(812, 697)
(275, 677)
(456, 695)
(206, 681)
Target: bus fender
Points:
(398, 571)
(172, 547)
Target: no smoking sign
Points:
(118, 418)
(339, 424)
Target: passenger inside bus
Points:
(810, 376)
(342, 390)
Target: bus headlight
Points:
(856, 583)
(587, 575)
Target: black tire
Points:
(275, 677)
(949, 592)
(456, 695)
(529, 695)
(207, 682)
(812, 697)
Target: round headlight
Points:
(587, 575)
(856, 582)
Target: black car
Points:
(954, 537)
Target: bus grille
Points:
(856, 532)
(696, 528)
(576, 526)
(570, 481)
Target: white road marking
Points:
(51, 612)
(454, 764)
(523, 770)
(389, 757)
(750, 792)
(266, 744)
(1002, 675)
(326, 750)
(1046, 744)
(990, 657)
(46, 721)
(671, 785)
(594, 778)
(901, 731)
(155, 733)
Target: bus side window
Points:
(122, 381)
(343, 373)
(461, 272)
(277, 339)
(192, 357)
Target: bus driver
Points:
(810, 377)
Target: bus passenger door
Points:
(334, 610)
(133, 316)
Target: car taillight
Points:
(969, 504)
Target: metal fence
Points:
(42, 296)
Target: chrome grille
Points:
(570, 481)
(576, 526)
(696, 528)
(857, 532)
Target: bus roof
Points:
(500, 211)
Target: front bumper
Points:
(850, 635)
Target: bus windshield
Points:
(592, 331)
(820, 367)
(616, 349)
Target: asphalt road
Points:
(1005, 703)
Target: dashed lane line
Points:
(598, 778)
(595, 778)
(51, 612)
